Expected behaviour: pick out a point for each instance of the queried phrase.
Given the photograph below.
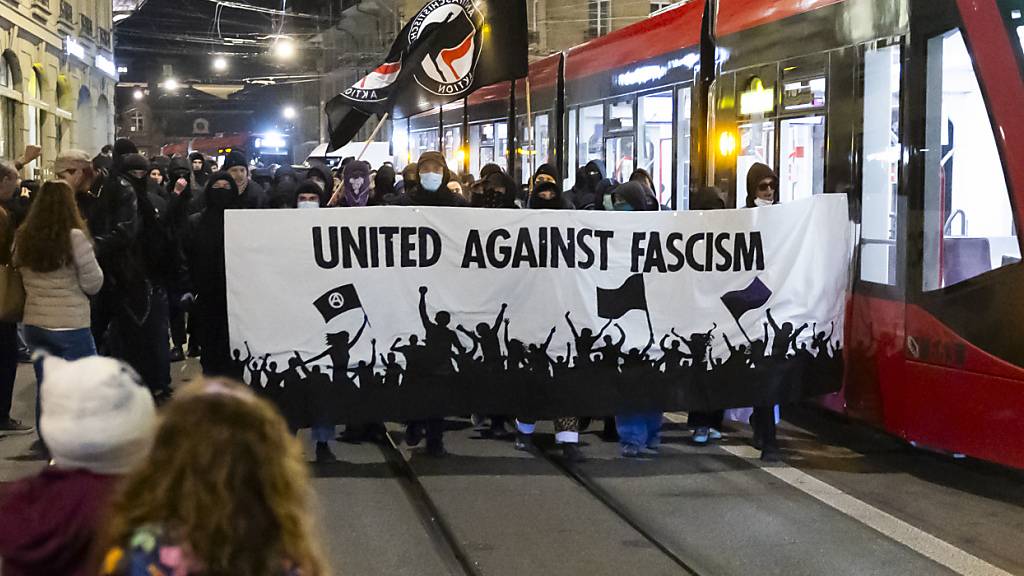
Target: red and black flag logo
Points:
(446, 51)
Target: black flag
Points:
(337, 301)
(614, 303)
(446, 51)
(750, 298)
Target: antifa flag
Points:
(613, 304)
(446, 51)
(337, 301)
(750, 298)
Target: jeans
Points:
(66, 344)
(641, 430)
(8, 366)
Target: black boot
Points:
(324, 455)
(572, 453)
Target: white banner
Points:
(395, 312)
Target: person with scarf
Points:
(204, 250)
(384, 191)
(584, 194)
(355, 186)
(283, 187)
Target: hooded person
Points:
(250, 193)
(408, 181)
(355, 185)
(496, 191)
(99, 422)
(431, 186)
(546, 173)
(631, 196)
(157, 184)
(283, 186)
(200, 173)
(321, 176)
(584, 194)
(643, 177)
(309, 195)
(490, 168)
(762, 186)
(384, 186)
(547, 196)
(204, 249)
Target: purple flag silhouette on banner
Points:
(750, 298)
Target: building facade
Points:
(57, 78)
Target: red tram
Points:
(912, 107)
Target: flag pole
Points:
(373, 135)
(529, 130)
(744, 332)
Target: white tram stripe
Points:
(918, 540)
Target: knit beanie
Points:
(235, 158)
(96, 415)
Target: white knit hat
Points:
(96, 414)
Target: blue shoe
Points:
(631, 451)
(649, 451)
(700, 436)
(714, 434)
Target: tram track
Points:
(455, 555)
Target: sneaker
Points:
(11, 426)
(714, 434)
(523, 442)
(700, 436)
(413, 435)
(177, 354)
(649, 451)
(499, 431)
(631, 451)
(572, 453)
(479, 422)
(324, 455)
(436, 449)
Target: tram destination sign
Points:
(398, 313)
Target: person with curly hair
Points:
(224, 491)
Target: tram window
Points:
(400, 144)
(619, 140)
(569, 178)
(1013, 13)
(968, 223)
(474, 149)
(453, 147)
(541, 140)
(655, 142)
(880, 173)
(757, 144)
(804, 94)
(591, 136)
(501, 145)
(682, 184)
(802, 158)
(422, 142)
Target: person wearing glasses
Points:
(762, 186)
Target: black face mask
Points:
(219, 198)
(594, 178)
(550, 204)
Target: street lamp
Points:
(220, 64)
(137, 94)
(170, 84)
(284, 48)
(288, 112)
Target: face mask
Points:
(431, 181)
(306, 204)
(624, 207)
(762, 202)
(356, 183)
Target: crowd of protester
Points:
(121, 258)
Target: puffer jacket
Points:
(60, 299)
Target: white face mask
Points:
(762, 202)
(303, 204)
(356, 183)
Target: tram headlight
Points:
(726, 144)
(460, 155)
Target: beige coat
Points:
(59, 300)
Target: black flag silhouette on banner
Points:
(337, 301)
(614, 303)
(446, 51)
(750, 298)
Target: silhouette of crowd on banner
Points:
(451, 369)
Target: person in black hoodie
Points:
(584, 194)
(283, 188)
(250, 193)
(204, 251)
(384, 186)
(200, 172)
(141, 259)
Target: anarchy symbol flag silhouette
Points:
(337, 301)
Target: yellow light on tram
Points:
(726, 144)
(460, 156)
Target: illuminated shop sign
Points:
(73, 48)
(758, 99)
(106, 65)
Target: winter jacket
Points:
(50, 522)
(60, 299)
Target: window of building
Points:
(802, 157)
(36, 118)
(661, 5)
(591, 135)
(654, 114)
(969, 227)
(541, 139)
(881, 162)
(421, 142)
(757, 144)
(136, 122)
(501, 145)
(682, 187)
(7, 111)
(619, 132)
(599, 17)
(453, 153)
(524, 150)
